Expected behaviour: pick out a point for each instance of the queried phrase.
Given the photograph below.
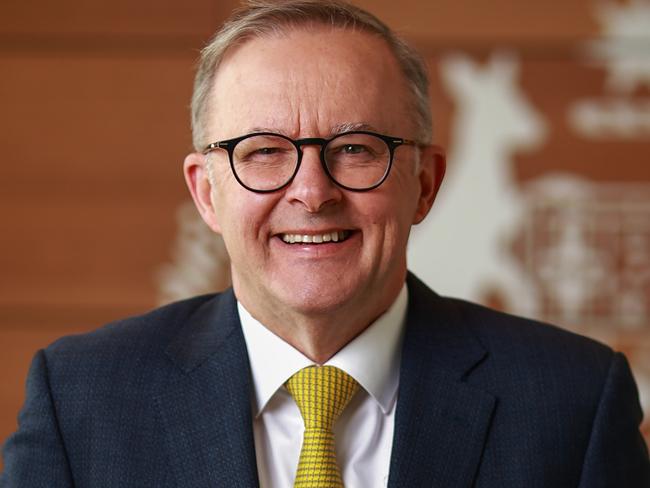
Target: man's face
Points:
(312, 83)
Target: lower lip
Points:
(325, 249)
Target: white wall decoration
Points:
(461, 249)
(623, 51)
(199, 262)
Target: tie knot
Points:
(321, 393)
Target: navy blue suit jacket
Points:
(485, 400)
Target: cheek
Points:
(388, 223)
(393, 206)
(391, 219)
(242, 215)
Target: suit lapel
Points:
(206, 405)
(441, 423)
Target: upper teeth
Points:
(315, 238)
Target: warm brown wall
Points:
(93, 132)
(94, 127)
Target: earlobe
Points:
(432, 171)
(196, 176)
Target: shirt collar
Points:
(372, 358)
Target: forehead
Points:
(306, 79)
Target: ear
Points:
(196, 176)
(432, 170)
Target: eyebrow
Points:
(274, 130)
(351, 126)
(335, 130)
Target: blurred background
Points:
(544, 108)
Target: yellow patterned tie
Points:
(321, 393)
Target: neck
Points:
(318, 335)
(319, 342)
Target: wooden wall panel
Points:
(459, 23)
(95, 18)
(92, 172)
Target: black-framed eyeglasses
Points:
(264, 162)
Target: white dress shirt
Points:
(363, 433)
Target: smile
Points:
(335, 236)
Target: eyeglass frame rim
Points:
(391, 141)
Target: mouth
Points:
(324, 238)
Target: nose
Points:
(311, 187)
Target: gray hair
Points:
(258, 18)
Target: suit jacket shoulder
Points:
(162, 399)
(491, 399)
(144, 332)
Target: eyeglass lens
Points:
(267, 162)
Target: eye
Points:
(265, 154)
(268, 150)
(263, 149)
(353, 149)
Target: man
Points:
(313, 159)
